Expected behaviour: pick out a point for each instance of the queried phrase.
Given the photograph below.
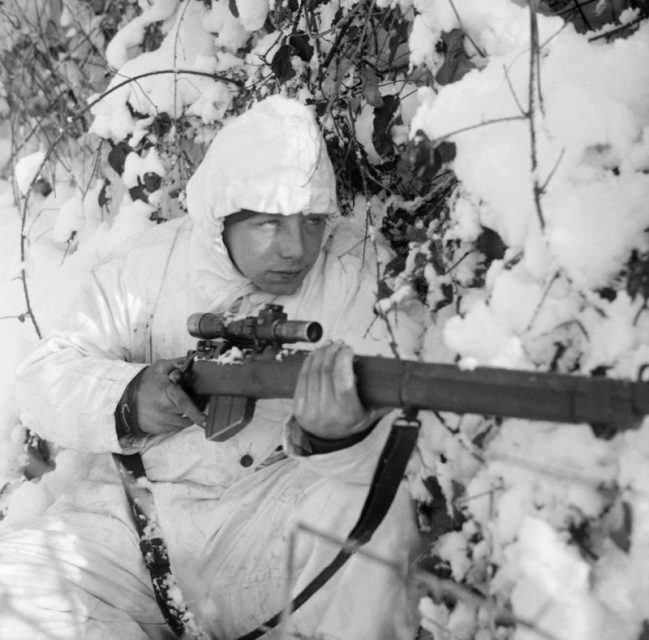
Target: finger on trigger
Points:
(185, 406)
(177, 422)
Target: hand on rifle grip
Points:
(325, 402)
(162, 405)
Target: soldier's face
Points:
(275, 252)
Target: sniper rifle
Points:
(239, 361)
(227, 386)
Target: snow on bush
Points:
(503, 153)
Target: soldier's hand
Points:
(162, 405)
(325, 402)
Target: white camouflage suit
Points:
(76, 572)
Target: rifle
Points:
(227, 387)
(238, 362)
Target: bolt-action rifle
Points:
(227, 386)
(239, 361)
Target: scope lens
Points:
(314, 331)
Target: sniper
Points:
(169, 534)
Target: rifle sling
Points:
(385, 483)
(387, 478)
(154, 549)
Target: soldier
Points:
(263, 227)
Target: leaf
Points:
(420, 286)
(370, 87)
(607, 293)
(396, 266)
(638, 275)
(152, 181)
(139, 193)
(384, 118)
(281, 63)
(491, 244)
(419, 162)
(234, 10)
(456, 62)
(117, 156)
(300, 43)
(384, 290)
(448, 296)
(103, 198)
(436, 510)
(161, 124)
(42, 187)
(446, 151)
(622, 535)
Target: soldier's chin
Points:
(281, 286)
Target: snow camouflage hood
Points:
(270, 159)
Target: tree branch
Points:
(533, 96)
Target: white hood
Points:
(270, 159)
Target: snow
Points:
(252, 13)
(165, 92)
(27, 169)
(133, 33)
(528, 488)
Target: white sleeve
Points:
(68, 388)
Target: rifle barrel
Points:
(387, 382)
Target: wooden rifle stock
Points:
(609, 405)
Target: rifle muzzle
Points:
(297, 331)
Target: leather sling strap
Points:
(385, 483)
(154, 549)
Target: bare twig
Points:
(513, 92)
(544, 186)
(340, 35)
(484, 123)
(21, 317)
(618, 30)
(175, 48)
(544, 296)
(558, 473)
(23, 248)
(532, 112)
